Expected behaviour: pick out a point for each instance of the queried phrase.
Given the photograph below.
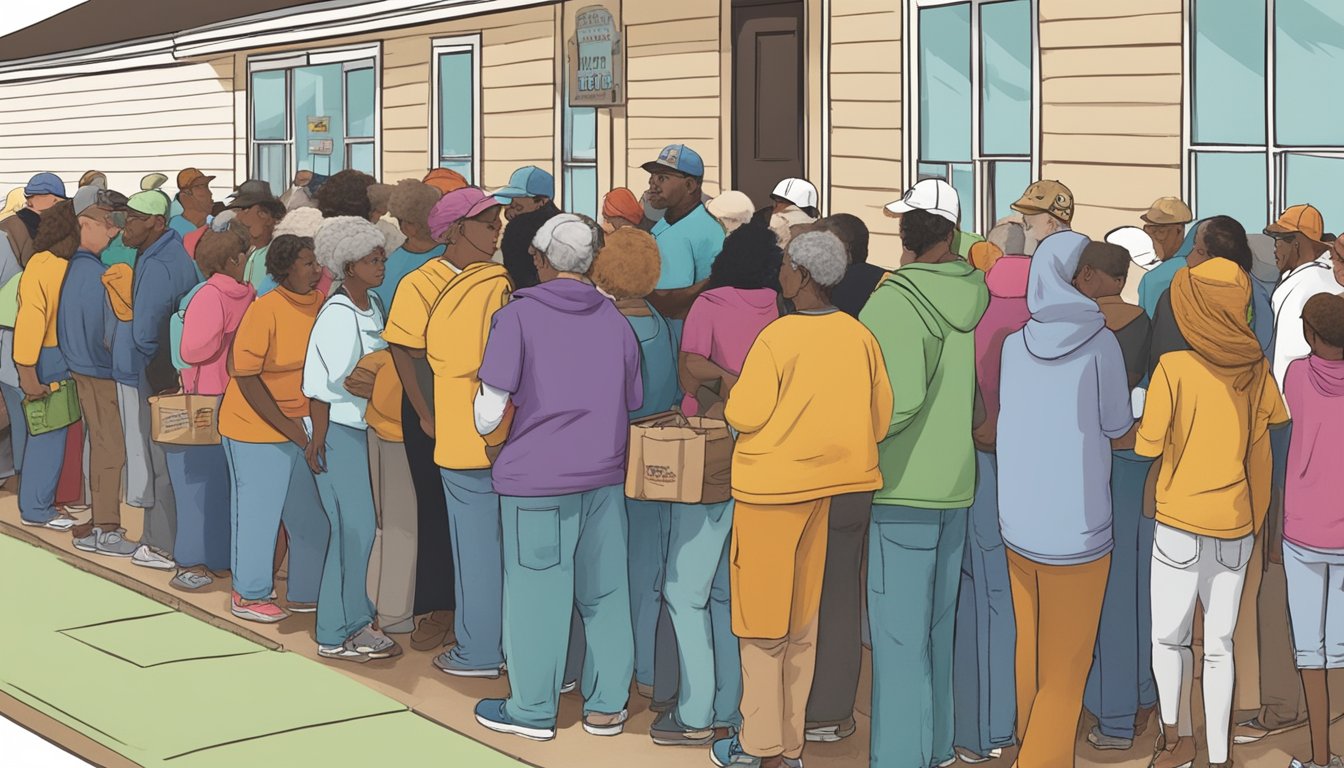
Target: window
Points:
(972, 101)
(1262, 135)
(579, 158)
(458, 108)
(313, 112)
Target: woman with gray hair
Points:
(348, 327)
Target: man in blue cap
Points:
(689, 238)
(529, 189)
(41, 192)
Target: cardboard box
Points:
(184, 419)
(678, 459)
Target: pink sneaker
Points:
(263, 612)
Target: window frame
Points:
(439, 46)
(290, 60)
(983, 165)
(569, 163)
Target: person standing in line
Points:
(1168, 223)
(410, 204)
(42, 191)
(1212, 407)
(924, 317)
(689, 238)
(1064, 396)
(196, 199)
(861, 277)
(621, 209)
(529, 189)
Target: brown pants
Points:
(1058, 608)
(107, 451)
(778, 560)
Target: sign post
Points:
(596, 61)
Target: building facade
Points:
(1213, 100)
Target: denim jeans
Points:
(343, 604)
(559, 552)
(914, 571)
(473, 524)
(649, 525)
(984, 694)
(272, 483)
(18, 426)
(1121, 681)
(200, 478)
(839, 645)
(696, 591)
(43, 454)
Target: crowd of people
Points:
(1045, 454)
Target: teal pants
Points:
(698, 603)
(650, 522)
(561, 553)
(914, 572)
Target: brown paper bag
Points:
(184, 419)
(676, 459)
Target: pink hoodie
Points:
(1313, 515)
(722, 325)
(208, 329)
(1006, 315)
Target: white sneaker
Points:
(57, 523)
(148, 558)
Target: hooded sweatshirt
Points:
(1007, 313)
(1209, 409)
(924, 318)
(1063, 397)
(721, 327)
(455, 337)
(208, 327)
(570, 364)
(1313, 515)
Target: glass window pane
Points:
(580, 134)
(1309, 51)
(945, 83)
(1314, 180)
(1005, 61)
(461, 166)
(271, 166)
(1233, 185)
(268, 105)
(317, 94)
(359, 103)
(581, 190)
(456, 105)
(1010, 180)
(361, 157)
(1229, 72)
(931, 171)
(963, 180)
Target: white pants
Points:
(1189, 569)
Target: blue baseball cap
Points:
(45, 184)
(678, 158)
(530, 181)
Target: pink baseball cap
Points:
(457, 205)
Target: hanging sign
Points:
(596, 61)
(318, 124)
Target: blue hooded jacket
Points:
(164, 273)
(1064, 396)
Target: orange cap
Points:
(1299, 218)
(188, 176)
(445, 180)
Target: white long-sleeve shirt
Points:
(489, 407)
(342, 335)
(1296, 287)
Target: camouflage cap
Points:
(1047, 196)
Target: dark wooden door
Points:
(768, 102)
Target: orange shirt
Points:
(272, 342)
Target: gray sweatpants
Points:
(146, 475)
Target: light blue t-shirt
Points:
(401, 263)
(657, 363)
(688, 248)
(181, 226)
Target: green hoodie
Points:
(924, 318)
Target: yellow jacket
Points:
(39, 297)
(384, 411)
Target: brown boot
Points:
(432, 631)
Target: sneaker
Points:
(88, 542)
(262, 611)
(114, 543)
(57, 523)
(341, 653)
(490, 713)
(645, 691)
(668, 731)
(603, 724)
(569, 687)
(147, 558)
(449, 663)
(830, 733)
(1251, 731)
(432, 631)
(793, 762)
(971, 758)
(190, 580)
(301, 607)
(728, 753)
(949, 763)
(373, 644)
(1099, 740)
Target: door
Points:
(768, 114)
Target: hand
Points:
(360, 383)
(714, 411)
(428, 426)
(32, 390)
(316, 454)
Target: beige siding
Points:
(1111, 105)
(125, 124)
(865, 92)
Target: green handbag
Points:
(57, 410)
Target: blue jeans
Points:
(914, 571)
(43, 454)
(696, 591)
(649, 524)
(473, 524)
(272, 484)
(984, 694)
(343, 604)
(1121, 680)
(561, 552)
(18, 425)
(200, 478)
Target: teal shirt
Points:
(1156, 282)
(181, 226)
(657, 363)
(688, 248)
(401, 263)
(118, 252)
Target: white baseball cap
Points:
(933, 195)
(800, 192)
(1139, 245)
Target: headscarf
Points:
(1062, 319)
(622, 203)
(1209, 302)
(983, 255)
